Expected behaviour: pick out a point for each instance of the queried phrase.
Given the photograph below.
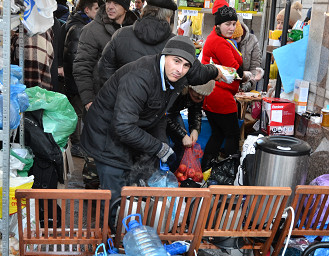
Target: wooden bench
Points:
(191, 203)
(77, 236)
(309, 201)
(246, 211)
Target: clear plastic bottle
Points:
(141, 240)
(163, 178)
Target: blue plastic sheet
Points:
(291, 61)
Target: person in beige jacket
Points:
(248, 45)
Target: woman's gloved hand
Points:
(246, 76)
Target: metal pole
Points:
(21, 64)
(176, 20)
(283, 42)
(269, 55)
(6, 127)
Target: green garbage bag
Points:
(28, 161)
(59, 117)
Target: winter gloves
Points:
(166, 154)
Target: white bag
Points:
(247, 148)
(38, 16)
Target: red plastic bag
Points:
(190, 166)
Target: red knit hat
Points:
(218, 4)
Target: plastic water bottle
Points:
(141, 240)
(163, 178)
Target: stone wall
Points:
(317, 58)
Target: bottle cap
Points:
(165, 166)
(133, 224)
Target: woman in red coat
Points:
(220, 105)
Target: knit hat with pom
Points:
(204, 89)
(218, 4)
(295, 13)
(238, 30)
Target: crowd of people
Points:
(128, 77)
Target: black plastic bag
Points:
(224, 172)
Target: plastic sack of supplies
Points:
(190, 166)
(15, 183)
(59, 117)
(322, 180)
(38, 15)
(18, 103)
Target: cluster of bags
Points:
(19, 100)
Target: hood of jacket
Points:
(102, 18)
(246, 32)
(75, 18)
(151, 30)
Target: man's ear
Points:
(86, 10)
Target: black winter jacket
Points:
(194, 115)
(147, 36)
(129, 105)
(93, 39)
(73, 27)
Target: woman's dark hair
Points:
(85, 3)
(218, 32)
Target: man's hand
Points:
(220, 76)
(194, 136)
(60, 71)
(187, 141)
(87, 106)
(166, 154)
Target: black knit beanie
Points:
(124, 3)
(168, 4)
(181, 46)
(224, 14)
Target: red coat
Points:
(223, 53)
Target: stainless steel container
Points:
(281, 161)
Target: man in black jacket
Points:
(147, 36)
(191, 98)
(138, 7)
(85, 12)
(127, 118)
(94, 36)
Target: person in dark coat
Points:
(127, 118)
(94, 36)
(191, 98)
(85, 12)
(138, 7)
(147, 36)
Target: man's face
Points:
(115, 11)
(138, 4)
(91, 13)
(196, 97)
(176, 67)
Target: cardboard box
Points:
(278, 116)
(301, 95)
